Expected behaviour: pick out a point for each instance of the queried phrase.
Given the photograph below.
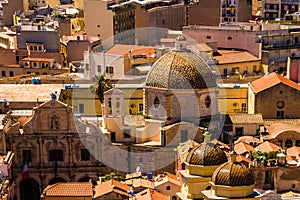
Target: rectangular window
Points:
(280, 114)
(229, 38)
(106, 69)
(87, 67)
(184, 135)
(254, 69)
(56, 155)
(298, 143)
(126, 133)
(11, 73)
(244, 107)
(208, 37)
(3, 73)
(239, 131)
(111, 70)
(85, 155)
(99, 68)
(293, 8)
(81, 108)
(26, 154)
(141, 107)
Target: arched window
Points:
(109, 106)
(54, 122)
(207, 101)
(156, 102)
(288, 143)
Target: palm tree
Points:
(100, 85)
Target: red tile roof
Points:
(247, 139)
(150, 194)
(293, 152)
(71, 189)
(241, 158)
(229, 56)
(242, 147)
(276, 129)
(270, 81)
(38, 59)
(267, 147)
(122, 49)
(111, 186)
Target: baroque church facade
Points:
(56, 146)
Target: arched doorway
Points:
(29, 189)
(57, 180)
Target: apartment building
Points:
(272, 9)
(212, 13)
(112, 21)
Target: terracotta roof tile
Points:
(150, 194)
(121, 49)
(38, 59)
(293, 152)
(111, 186)
(72, 189)
(243, 118)
(270, 81)
(267, 147)
(242, 147)
(229, 56)
(240, 158)
(247, 139)
(171, 178)
(275, 129)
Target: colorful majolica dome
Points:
(206, 154)
(180, 69)
(233, 174)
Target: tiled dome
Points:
(180, 69)
(233, 174)
(206, 154)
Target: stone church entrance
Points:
(29, 189)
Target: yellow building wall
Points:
(242, 66)
(132, 99)
(76, 25)
(92, 106)
(76, 96)
(63, 51)
(230, 100)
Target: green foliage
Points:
(265, 157)
(116, 176)
(100, 85)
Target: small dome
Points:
(206, 154)
(180, 70)
(233, 174)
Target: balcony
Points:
(271, 10)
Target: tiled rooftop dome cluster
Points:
(180, 70)
(233, 174)
(206, 154)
